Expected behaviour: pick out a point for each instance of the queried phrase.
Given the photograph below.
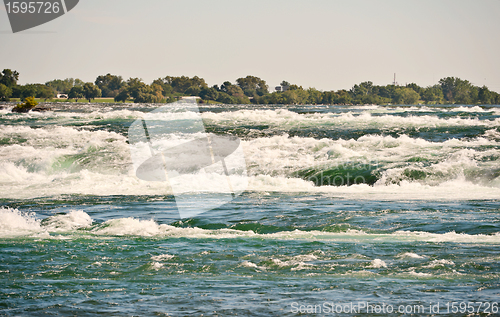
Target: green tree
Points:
(235, 92)
(456, 90)
(485, 96)
(497, 98)
(253, 86)
(363, 89)
(76, 92)
(78, 83)
(291, 97)
(225, 98)
(110, 85)
(9, 77)
(36, 90)
(5, 92)
(328, 97)
(45, 92)
(142, 93)
(415, 87)
(448, 88)
(295, 87)
(133, 82)
(225, 86)
(62, 86)
(193, 91)
(91, 91)
(433, 94)
(275, 98)
(343, 97)
(157, 92)
(28, 90)
(295, 96)
(182, 83)
(387, 91)
(406, 96)
(209, 93)
(285, 84)
(473, 96)
(167, 89)
(122, 96)
(314, 96)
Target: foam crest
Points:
(103, 167)
(377, 264)
(419, 274)
(252, 265)
(295, 263)
(56, 137)
(398, 159)
(84, 115)
(410, 255)
(16, 223)
(149, 228)
(56, 160)
(475, 109)
(284, 118)
(440, 263)
(162, 257)
(130, 227)
(67, 222)
(156, 266)
(449, 237)
(282, 153)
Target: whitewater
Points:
(382, 204)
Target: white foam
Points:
(15, 223)
(73, 220)
(419, 274)
(280, 156)
(475, 109)
(156, 266)
(458, 189)
(252, 265)
(297, 263)
(162, 257)
(129, 226)
(79, 117)
(377, 264)
(442, 262)
(149, 228)
(67, 160)
(287, 119)
(248, 264)
(449, 237)
(410, 255)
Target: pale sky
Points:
(326, 44)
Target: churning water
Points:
(395, 206)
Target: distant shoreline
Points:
(246, 90)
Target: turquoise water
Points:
(80, 234)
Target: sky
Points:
(325, 44)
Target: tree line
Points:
(245, 90)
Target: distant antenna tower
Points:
(394, 82)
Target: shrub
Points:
(29, 103)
